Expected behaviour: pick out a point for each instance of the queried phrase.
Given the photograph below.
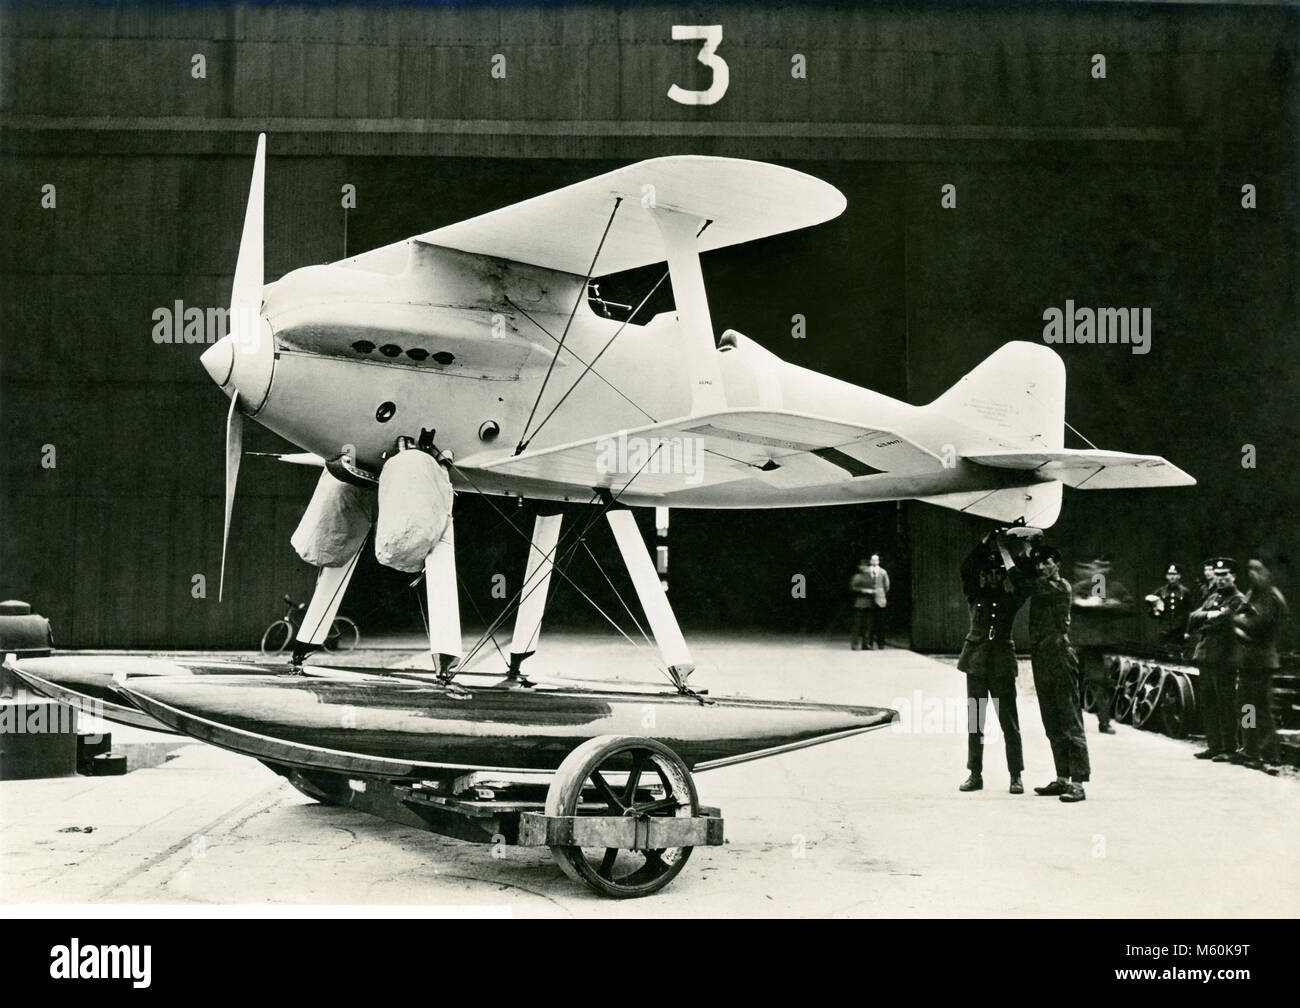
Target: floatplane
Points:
(470, 359)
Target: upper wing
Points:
(783, 449)
(561, 230)
(1093, 469)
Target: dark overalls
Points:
(1217, 656)
(1056, 677)
(988, 656)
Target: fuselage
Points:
(428, 338)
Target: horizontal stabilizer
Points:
(561, 230)
(1092, 469)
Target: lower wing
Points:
(783, 449)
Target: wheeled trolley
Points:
(620, 814)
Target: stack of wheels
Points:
(1178, 705)
(1090, 690)
(657, 783)
(1130, 676)
(1146, 698)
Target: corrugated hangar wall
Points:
(1122, 191)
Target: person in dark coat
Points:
(1258, 623)
(870, 586)
(1056, 672)
(1217, 656)
(988, 658)
(1170, 605)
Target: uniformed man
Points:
(1217, 656)
(1056, 672)
(1206, 584)
(988, 658)
(1259, 624)
(1170, 606)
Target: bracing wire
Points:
(559, 566)
(582, 294)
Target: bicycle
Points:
(343, 633)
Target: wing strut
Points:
(331, 584)
(654, 600)
(444, 602)
(537, 581)
(680, 231)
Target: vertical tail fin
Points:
(1016, 396)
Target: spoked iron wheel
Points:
(1177, 705)
(618, 775)
(343, 635)
(1126, 692)
(1146, 698)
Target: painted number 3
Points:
(711, 36)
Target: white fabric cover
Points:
(414, 508)
(335, 524)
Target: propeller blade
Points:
(244, 323)
(246, 294)
(244, 359)
(234, 450)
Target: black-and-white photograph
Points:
(659, 460)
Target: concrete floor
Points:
(871, 826)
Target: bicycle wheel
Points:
(343, 635)
(277, 637)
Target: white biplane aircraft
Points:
(468, 358)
